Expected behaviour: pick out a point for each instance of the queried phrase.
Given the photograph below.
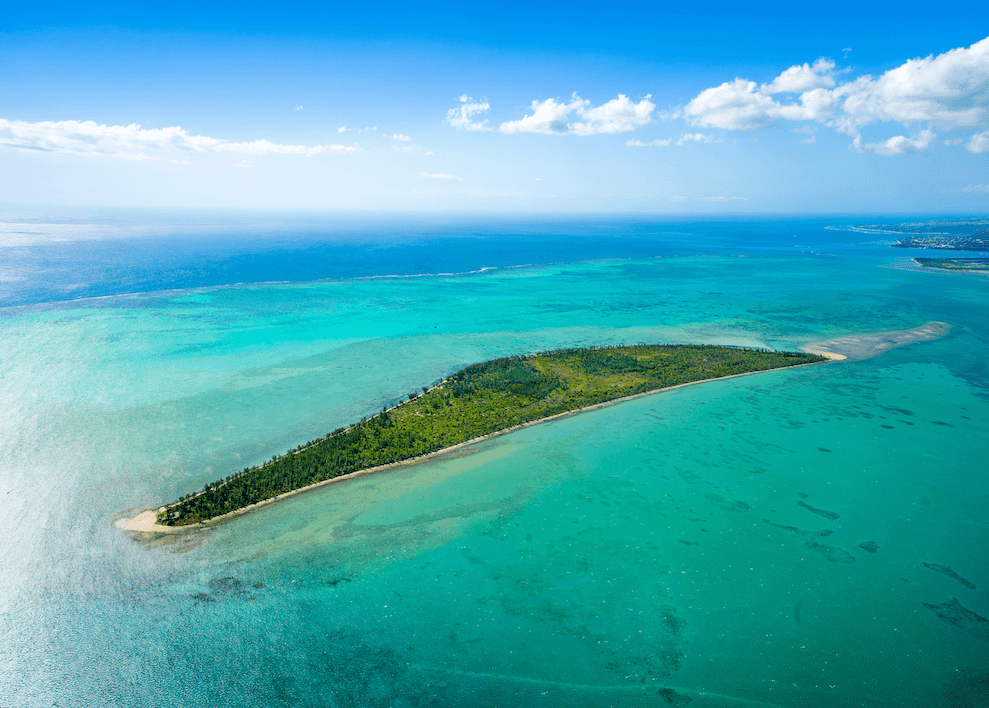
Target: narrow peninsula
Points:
(480, 400)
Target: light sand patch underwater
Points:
(865, 346)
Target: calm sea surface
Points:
(815, 537)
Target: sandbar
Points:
(145, 522)
(865, 346)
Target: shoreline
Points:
(919, 267)
(145, 522)
(851, 347)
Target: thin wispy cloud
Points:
(698, 138)
(716, 199)
(945, 92)
(137, 143)
(440, 175)
(464, 116)
(897, 145)
(399, 137)
(651, 143)
(550, 117)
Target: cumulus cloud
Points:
(464, 116)
(979, 142)
(342, 129)
(743, 105)
(619, 115)
(440, 175)
(898, 145)
(399, 137)
(943, 92)
(299, 108)
(651, 143)
(802, 77)
(136, 143)
(976, 188)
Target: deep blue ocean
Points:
(814, 537)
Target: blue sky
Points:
(509, 107)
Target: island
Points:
(967, 265)
(975, 242)
(481, 400)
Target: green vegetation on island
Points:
(975, 242)
(480, 400)
(963, 264)
(933, 227)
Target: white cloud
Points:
(948, 91)
(809, 141)
(618, 115)
(299, 108)
(742, 105)
(898, 145)
(954, 141)
(463, 116)
(441, 176)
(943, 92)
(697, 138)
(979, 142)
(342, 129)
(242, 163)
(651, 143)
(802, 77)
(976, 188)
(136, 143)
(735, 105)
(399, 137)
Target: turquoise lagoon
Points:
(700, 546)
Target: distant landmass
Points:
(976, 242)
(478, 401)
(961, 264)
(937, 234)
(940, 227)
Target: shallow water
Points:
(703, 544)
